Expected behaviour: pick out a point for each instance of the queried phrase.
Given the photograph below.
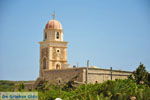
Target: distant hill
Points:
(6, 85)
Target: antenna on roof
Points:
(54, 15)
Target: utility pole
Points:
(77, 64)
(111, 73)
(87, 71)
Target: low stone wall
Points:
(64, 75)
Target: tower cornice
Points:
(46, 42)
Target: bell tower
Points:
(53, 50)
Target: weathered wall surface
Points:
(101, 75)
(64, 75)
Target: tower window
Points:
(44, 63)
(45, 37)
(57, 35)
(58, 51)
(57, 66)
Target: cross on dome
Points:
(53, 24)
(53, 15)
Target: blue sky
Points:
(110, 33)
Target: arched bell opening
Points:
(58, 66)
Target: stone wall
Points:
(64, 75)
(101, 75)
(80, 75)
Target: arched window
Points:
(45, 36)
(44, 63)
(57, 35)
(57, 66)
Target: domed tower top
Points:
(53, 24)
(53, 30)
